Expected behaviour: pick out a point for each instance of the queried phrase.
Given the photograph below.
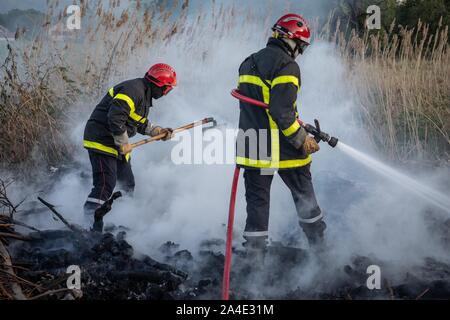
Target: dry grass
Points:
(32, 112)
(401, 81)
(44, 77)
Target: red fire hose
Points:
(229, 245)
(235, 93)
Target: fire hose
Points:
(315, 131)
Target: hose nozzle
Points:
(319, 135)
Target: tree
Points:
(355, 12)
(429, 11)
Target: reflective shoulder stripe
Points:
(258, 82)
(101, 147)
(133, 115)
(127, 99)
(111, 92)
(292, 129)
(253, 80)
(286, 79)
(279, 80)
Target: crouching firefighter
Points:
(122, 113)
(272, 76)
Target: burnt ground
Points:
(111, 269)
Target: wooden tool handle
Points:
(177, 130)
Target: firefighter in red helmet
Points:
(272, 76)
(121, 114)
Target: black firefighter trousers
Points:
(298, 180)
(106, 172)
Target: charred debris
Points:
(34, 263)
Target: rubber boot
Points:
(315, 233)
(89, 212)
(98, 225)
(256, 249)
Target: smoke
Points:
(187, 204)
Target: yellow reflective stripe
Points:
(292, 129)
(266, 94)
(127, 157)
(274, 139)
(101, 147)
(127, 99)
(111, 92)
(274, 133)
(265, 164)
(258, 82)
(295, 163)
(133, 115)
(253, 80)
(286, 79)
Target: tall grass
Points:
(400, 80)
(402, 85)
(32, 110)
(44, 77)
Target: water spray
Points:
(427, 193)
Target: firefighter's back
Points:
(257, 76)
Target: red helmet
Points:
(293, 26)
(162, 75)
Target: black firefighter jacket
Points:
(124, 108)
(277, 127)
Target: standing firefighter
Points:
(273, 140)
(120, 115)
